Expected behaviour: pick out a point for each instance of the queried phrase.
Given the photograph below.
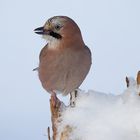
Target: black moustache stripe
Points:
(55, 35)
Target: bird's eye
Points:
(57, 27)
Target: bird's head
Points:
(59, 28)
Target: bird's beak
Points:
(48, 31)
(42, 31)
(39, 30)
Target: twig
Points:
(138, 78)
(49, 138)
(127, 81)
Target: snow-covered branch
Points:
(99, 116)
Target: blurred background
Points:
(111, 29)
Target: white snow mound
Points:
(100, 116)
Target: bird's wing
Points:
(78, 67)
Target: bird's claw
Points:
(73, 96)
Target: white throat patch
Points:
(52, 42)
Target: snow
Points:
(101, 116)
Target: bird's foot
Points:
(73, 96)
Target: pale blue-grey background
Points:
(111, 29)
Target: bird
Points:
(65, 60)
